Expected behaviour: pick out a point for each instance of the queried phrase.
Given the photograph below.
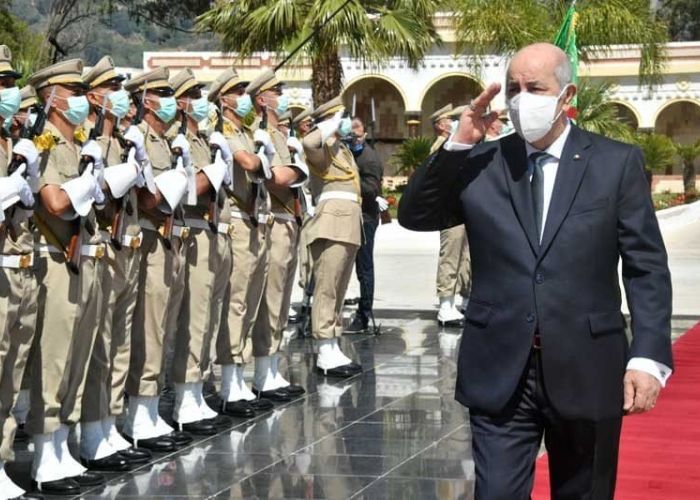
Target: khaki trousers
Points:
(18, 311)
(109, 363)
(244, 293)
(304, 255)
(453, 272)
(333, 262)
(207, 274)
(161, 288)
(277, 295)
(67, 324)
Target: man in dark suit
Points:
(549, 212)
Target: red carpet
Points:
(659, 451)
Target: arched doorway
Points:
(457, 89)
(389, 106)
(626, 114)
(679, 120)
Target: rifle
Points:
(167, 231)
(118, 226)
(253, 209)
(372, 137)
(213, 209)
(74, 253)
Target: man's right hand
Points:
(476, 118)
(135, 136)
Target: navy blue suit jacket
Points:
(566, 286)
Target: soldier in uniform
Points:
(334, 233)
(101, 445)
(68, 266)
(162, 266)
(208, 262)
(18, 286)
(453, 262)
(248, 202)
(285, 204)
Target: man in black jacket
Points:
(371, 173)
(549, 213)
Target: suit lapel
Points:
(572, 167)
(514, 160)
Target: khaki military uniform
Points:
(282, 263)
(69, 304)
(109, 363)
(250, 255)
(161, 285)
(18, 309)
(208, 258)
(334, 234)
(453, 271)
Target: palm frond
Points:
(597, 114)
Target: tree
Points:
(597, 114)
(504, 26)
(370, 30)
(688, 153)
(26, 47)
(411, 153)
(683, 19)
(659, 152)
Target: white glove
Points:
(146, 178)
(216, 172)
(382, 203)
(330, 126)
(26, 149)
(181, 142)
(120, 178)
(266, 170)
(173, 184)
(295, 144)
(134, 135)
(83, 191)
(94, 151)
(303, 171)
(262, 137)
(15, 188)
(217, 139)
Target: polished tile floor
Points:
(393, 431)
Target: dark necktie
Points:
(537, 161)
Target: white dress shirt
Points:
(658, 370)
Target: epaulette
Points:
(45, 142)
(80, 135)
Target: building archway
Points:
(627, 114)
(679, 120)
(389, 105)
(455, 88)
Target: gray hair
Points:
(564, 73)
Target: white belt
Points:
(338, 195)
(17, 261)
(222, 227)
(284, 217)
(127, 241)
(262, 218)
(181, 232)
(97, 251)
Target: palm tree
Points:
(411, 153)
(370, 30)
(504, 26)
(688, 153)
(659, 152)
(597, 114)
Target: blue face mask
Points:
(282, 105)
(168, 109)
(10, 100)
(345, 128)
(244, 104)
(199, 109)
(119, 103)
(78, 109)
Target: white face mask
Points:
(533, 114)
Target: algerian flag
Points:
(566, 41)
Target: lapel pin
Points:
(577, 157)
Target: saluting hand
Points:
(476, 118)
